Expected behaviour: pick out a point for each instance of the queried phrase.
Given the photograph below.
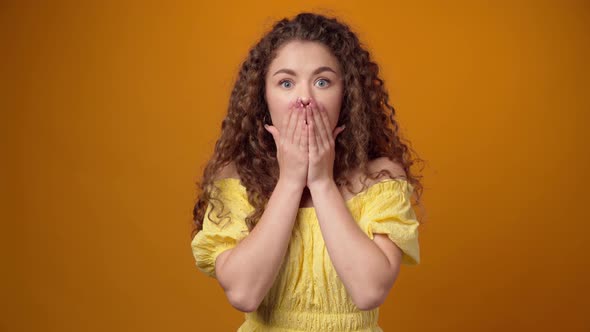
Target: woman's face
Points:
(306, 70)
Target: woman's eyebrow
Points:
(315, 72)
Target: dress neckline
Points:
(349, 201)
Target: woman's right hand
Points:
(292, 146)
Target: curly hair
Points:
(372, 130)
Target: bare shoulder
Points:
(384, 163)
(227, 171)
(374, 166)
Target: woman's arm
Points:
(367, 268)
(247, 271)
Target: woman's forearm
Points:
(247, 271)
(363, 268)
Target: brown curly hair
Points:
(371, 130)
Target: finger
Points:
(338, 130)
(321, 135)
(274, 132)
(288, 122)
(299, 127)
(293, 125)
(326, 121)
(313, 143)
(305, 139)
(305, 135)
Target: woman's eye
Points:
(322, 83)
(285, 84)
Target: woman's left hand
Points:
(321, 145)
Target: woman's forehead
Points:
(303, 56)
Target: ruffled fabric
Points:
(222, 233)
(388, 210)
(308, 294)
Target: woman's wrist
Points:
(290, 186)
(320, 187)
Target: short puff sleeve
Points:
(223, 233)
(388, 210)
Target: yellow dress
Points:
(307, 294)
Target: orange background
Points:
(110, 110)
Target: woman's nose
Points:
(305, 101)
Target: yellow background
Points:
(110, 110)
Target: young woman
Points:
(305, 211)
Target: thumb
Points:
(273, 131)
(338, 130)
